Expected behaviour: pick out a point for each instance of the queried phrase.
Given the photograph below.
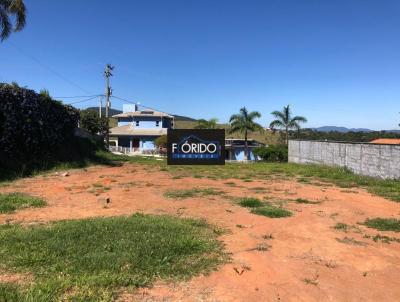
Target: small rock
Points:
(65, 174)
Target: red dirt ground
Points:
(303, 261)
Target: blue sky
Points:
(336, 62)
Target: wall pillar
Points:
(130, 145)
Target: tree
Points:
(10, 9)
(286, 121)
(161, 141)
(243, 123)
(91, 121)
(204, 124)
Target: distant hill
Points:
(111, 111)
(183, 118)
(345, 130)
(340, 129)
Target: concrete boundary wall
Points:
(362, 158)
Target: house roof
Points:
(142, 113)
(390, 141)
(129, 130)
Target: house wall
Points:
(122, 121)
(147, 122)
(361, 158)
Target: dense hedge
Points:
(34, 129)
(273, 153)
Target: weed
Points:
(306, 201)
(272, 212)
(384, 224)
(313, 280)
(250, 202)
(351, 241)
(189, 193)
(258, 189)
(11, 202)
(385, 239)
(341, 227)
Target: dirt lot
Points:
(299, 258)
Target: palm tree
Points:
(243, 123)
(204, 124)
(8, 9)
(286, 121)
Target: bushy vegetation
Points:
(37, 133)
(11, 202)
(93, 123)
(33, 127)
(272, 153)
(93, 259)
(161, 141)
(350, 136)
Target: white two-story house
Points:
(137, 129)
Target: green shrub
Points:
(272, 153)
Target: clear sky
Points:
(336, 62)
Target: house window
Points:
(157, 123)
(137, 123)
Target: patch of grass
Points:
(341, 227)
(11, 202)
(91, 259)
(189, 193)
(384, 224)
(250, 202)
(230, 183)
(9, 292)
(351, 241)
(258, 189)
(306, 201)
(383, 238)
(272, 212)
(304, 173)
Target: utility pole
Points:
(108, 74)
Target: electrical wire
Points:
(76, 96)
(54, 72)
(86, 100)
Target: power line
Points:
(48, 68)
(86, 100)
(76, 96)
